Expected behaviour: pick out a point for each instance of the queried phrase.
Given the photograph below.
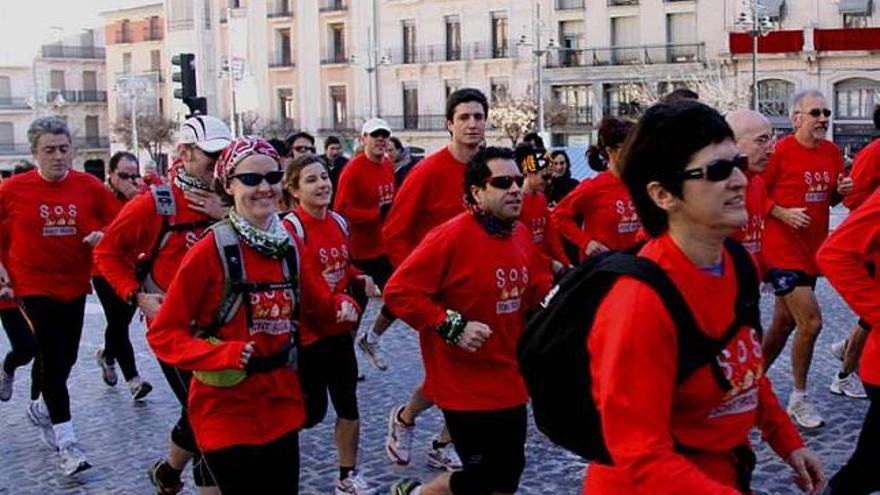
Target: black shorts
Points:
(784, 281)
(329, 366)
(379, 269)
(491, 445)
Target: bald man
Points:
(754, 138)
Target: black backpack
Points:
(553, 354)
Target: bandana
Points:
(491, 224)
(273, 242)
(186, 181)
(240, 149)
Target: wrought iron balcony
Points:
(673, 53)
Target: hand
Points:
(808, 473)
(796, 218)
(126, 188)
(205, 202)
(594, 248)
(347, 312)
(844, 185)
(6, 292)
(474, 336)
(149, 304)
(370, 287)
(93, 238)
(246, 352)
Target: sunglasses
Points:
(380, 134)
(254, 179)
(505, 181)
(718, 170)
(816, 112)
(304, 149)
(125, 176)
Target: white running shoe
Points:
(73, 460)
(851, 386)
(838, 349)
(372, 351)
(443, 458)
(139, 388)
(108, 369)
(353, 484)
(399, 440)
(804, 414)
(6, 380)
(40, 418)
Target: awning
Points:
(858, 7)
(770, 8)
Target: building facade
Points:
(16, 114)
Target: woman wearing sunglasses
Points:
(245, 403)
(687, 181)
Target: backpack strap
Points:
(342, 222)
(226, 242)
(293, 219)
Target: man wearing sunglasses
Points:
(804, 179)
(301, 143)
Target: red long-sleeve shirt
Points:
(44, 224)
(431, 194)
(604, 206)
(633, 346)
(800, 177)
(865, 175)
(486, 279)
(842, 259)
(752, 232)
(536, 217)
(364, 188)
(133, 234)
(264, 406)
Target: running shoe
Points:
(6, 380)
(851, 386)
(108, 370)
(405, 487)
(372, 351)
(838, 349)
(163, 487)
(399, 439)
(353, 484)
(804, 414)
(139, 388)
(444, 457)
(40, 418)
(73, 460)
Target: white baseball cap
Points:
(208, 133)
(373, 125)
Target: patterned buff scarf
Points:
(491, 224)
(187, 181)
(273, 242)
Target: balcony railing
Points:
(569, 4)
(338, 125)
(846, 39)
(276, 10)
(784, 41)
(331, 5)
(615, 3)
(67, 95)
(335, 58)
(628, 55)
(10, 103)
(281, 62)
(9, 149)
(91, 142)
(153, 33)
(69, 51)
(83, 96)
(577, 117)
(426, 122)
(425, 54)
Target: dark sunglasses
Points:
(380, 134)
(816, 112)
(718, 170)
(254, 179)
(304, 149)
(505, 181)
(125, 176)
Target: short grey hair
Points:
(47, 125)
(798, 99)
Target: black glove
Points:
(262, 364)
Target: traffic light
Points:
(187, 79)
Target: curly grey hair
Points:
(47, 125)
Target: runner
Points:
(664, 437)
(21, 338)
(804, 179)
(51, 219)
(430, 196)
(535, 214)
(141, 252)
(230, 316)
(601, 204)
(124, 182)
(466, 289)
(327, 360)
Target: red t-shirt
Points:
(865, 174)
(633, 346)
(118, 203)
(44, 224)
(364, 188)
(842, 259)
(799, 177)
(751, 233)
(431, 194)
(486, 279)
(536, 217)
(265, 406)
(604, 206)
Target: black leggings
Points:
(329, 365)
(117, 346)
(859, 476)
(21, 338)
(267, 468)
(57, 327)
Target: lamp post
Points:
(539, 49)
(131, 87)
(755, 25)
(374, 61)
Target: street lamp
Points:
(756, 25)
(539, 49)
(132, 87)
(370, 66)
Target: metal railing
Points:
(335, 58)
(343, 125)
(10, 103)
(279, 9)
(577, 117)
(70, 51)
(675, 53)
(422, 122)
(331, 5)
(613, 3)
(91, 96)
(424, 54)
(279, 62)
(68, 95)
(91, 142)
(569, 4)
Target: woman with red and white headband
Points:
(231, 315)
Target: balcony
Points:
(68, 96)
(279, 10)
(281, 62)
(123, 37)
(569, 4)
(153, 33)
(338, 126)
(791, 41)
(10, 103)
(426, 54)
(335, 58)
(620, 3)
(846, 39)
(91, 142)
(70, 51)
(672, 53)
(417, 123)
(91, 96)
(576, 118)
(332, 6)
(12, 149)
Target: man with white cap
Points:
(142, 249)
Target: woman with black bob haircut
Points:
(667, 436)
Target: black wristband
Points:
(452, 327)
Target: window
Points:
(285, 104)
(409, 41)
(156, 60)
(681, 34)
(855, 21)
(625, 33)
(207, 14)
(90, 80)
(499, 88)
(571, 36)
(579, 100)
(855, 99)
(453, 38)
(7, 133)
(56, 80)
(92, 131)
(452, 86)
(410, 106)
(5, 88)
(336, 39)
(338, 107)
(621, 100)
(180, 14)
(499, 35)
(773, 98)
(124, 35)
(282, 48)
(126, 63)
(154, 29)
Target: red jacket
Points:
(633, 345)
(842, 259)
(486, 279)
(751, 233)
(364, 188)
(604, 207)
(44, 224)
(265, 406)
(865, 174)
(431, 194)
(536, 217)
(800, 177)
